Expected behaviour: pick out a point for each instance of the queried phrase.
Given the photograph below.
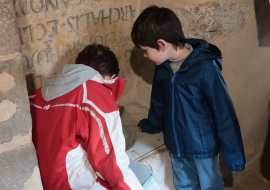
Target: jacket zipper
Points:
(174, 130)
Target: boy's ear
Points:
(162, 45)
(113, 76)
(107, 77)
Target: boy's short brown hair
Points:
(100, 58)
(156, 23)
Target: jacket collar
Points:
(116, 85)
(201, 51)
(98, 78)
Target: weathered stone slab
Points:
(16, 167)
(9, 41)
(138, 111)
(18, 123)
(210, 19)
(34, 182)
(160, 163)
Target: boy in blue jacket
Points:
(190, 102)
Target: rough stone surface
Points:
(210, 19)
(20, 122)
(9, 40)
(16, 167)
(7, 109)
(34, 182)
(138, 111)
(16, 142)
(7, 81)
(17, 157)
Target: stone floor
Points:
(256, 176)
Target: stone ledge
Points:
(16, 167)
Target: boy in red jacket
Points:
(77, 131)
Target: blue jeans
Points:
(197, 174)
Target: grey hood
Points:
(69, 77)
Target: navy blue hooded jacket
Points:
(194, 109)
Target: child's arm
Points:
(227, 126)
(153, 124)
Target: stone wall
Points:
(18, 163)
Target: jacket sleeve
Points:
(106, 151)
(227, 126)
(153, 124)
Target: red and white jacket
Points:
(79, 140)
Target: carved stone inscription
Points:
(53, 32)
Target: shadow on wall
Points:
(265, 158)
(262, 11)
(129, 132)
(142, 66)
(226, 173)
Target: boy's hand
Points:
(140, 130)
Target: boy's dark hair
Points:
(156, 23)
(100, 58)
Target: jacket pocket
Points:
(192, 138)
(208, 134)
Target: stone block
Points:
(18, 123)
(206, 20)
(138, 111)
(9, 41)
(16, 167)
(34, 182)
